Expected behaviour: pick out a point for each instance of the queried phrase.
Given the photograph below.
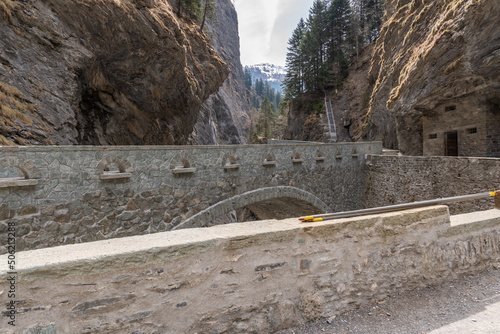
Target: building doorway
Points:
(451, 144)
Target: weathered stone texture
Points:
(391, 180)
(103, 72)
(464, 117)
(166, 186)
(493, 131)
(256, 277)
(225, 117)
(431, 54)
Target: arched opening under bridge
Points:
(266, 203)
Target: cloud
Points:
(284, 24)
(265, 27)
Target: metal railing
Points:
(400, 207)
(332, 129)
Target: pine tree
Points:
(368, 14)
(208, 11)
(317, 41)
(342, 43)
(255, 101)
(307, 48)
(248, 78)
(293, 81)
(267, 119)
(259, 87)
(277, 99)
(192, 7)
(340, 28)
(374, 13)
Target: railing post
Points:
(497, 201)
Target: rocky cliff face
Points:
(306, 120)
(225, 117)
(351, 103)
(102, 72)
(429, 54)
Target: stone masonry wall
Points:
(65, 195)
(493, 132)
(255, 277)
(391, 180)
(467, 114)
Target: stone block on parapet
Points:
(14, 182)
(115, 176)
(232, 166)
(183, 170)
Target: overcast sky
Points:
(265, 27)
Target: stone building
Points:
(462, 128)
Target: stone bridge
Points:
(64, 195)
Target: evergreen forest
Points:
(261, 89)
(322, 46)
(268, 101)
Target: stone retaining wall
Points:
(255, 277)
(65, 195)
(391, 180)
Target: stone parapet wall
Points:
(74, 194)
(391, 180)
(255, 277)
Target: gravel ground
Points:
(467, 305)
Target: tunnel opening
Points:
(281, 202)
(275, 208)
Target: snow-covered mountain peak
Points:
(274, 74)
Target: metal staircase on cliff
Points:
(332, 129)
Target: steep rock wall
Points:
(306, 119)
(225, 117)
(429, 54)
(102, 72)
(351, 103)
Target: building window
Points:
(433, 136)
(450, 108)
(472, 130)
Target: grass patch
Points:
(453, 66)
(14, 106)
(6, 142)
(7, 8)
(442, 17)
(317, 107)
(10, 90)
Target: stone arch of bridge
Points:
(279, 202)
